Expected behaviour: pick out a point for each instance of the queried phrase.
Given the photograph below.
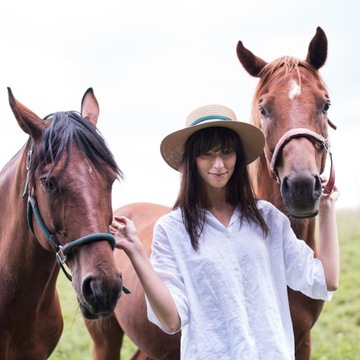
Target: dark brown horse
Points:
(290, 106)
(55, 196)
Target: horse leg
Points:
(304, 314)
(303, 350)
(139, 355)
(107, 338)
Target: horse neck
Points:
(267, 188)
(305, 230)
(24, 260)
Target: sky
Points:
(151, 63)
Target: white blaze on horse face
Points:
(295, 89)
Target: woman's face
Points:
(216, 167)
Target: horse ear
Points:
(317, 51)
(89, 106)
(27, 120)
(252, 64)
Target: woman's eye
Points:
(48, 183)
(227, 151)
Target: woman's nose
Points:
(218, 161)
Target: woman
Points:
(221, 259)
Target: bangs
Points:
(214, 138)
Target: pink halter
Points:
(302, 132)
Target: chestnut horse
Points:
(290, 106)
(56, 208)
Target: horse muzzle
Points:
(301, 195)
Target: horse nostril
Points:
(318, 185)
(89, 289)
(285, 186)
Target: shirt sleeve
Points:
(165, 265)
(304, 272)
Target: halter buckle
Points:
(60, 256)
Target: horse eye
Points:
(48, 183)
(326, 107)
(262, 111)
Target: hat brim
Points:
(252, 138)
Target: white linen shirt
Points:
(231, 294)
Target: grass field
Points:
(336, 335)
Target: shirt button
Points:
(228, 236)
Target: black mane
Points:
(65, 130)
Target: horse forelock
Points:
(283, 66)
(68, 129)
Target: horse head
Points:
(70, 173)
(291, 106)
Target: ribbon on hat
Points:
(209, 117)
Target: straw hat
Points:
(252, 138)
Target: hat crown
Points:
(210, 113)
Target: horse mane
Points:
(284, 67)
(65, 130)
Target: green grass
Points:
(336, 335)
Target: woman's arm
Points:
(157, 293)
(328, 247)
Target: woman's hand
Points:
(124, 231)
(328, 200)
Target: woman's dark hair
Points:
(192, 197)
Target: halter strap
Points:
(303, 132)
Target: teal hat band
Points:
(210, 117)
